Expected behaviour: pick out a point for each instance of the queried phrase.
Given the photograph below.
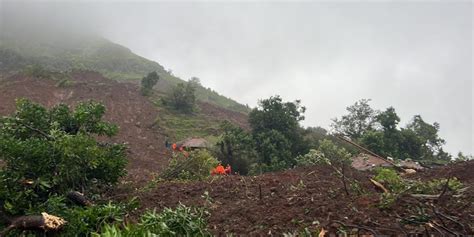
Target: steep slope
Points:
(144, 125)
(86, 52)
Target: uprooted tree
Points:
(48, 152)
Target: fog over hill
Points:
(415, 56)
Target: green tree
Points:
(148, 83)
(361, 118)
(236, 147)
(374, 141)
(274, 151)
(410, 145)
(276, 131)
(388, 119)
(183, 97)
(49, 152)
(428, 134)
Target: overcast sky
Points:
(415, 56)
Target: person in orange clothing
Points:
(174, 146)
(219, 170)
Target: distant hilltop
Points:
(64, 52)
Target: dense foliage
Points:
(182, 97)
(50, 152)
(148, 83)
(195, 165)
(277, 134)
(181, 221)
(361, 118)
(236, 148)
(381, 133)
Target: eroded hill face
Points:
(134, 114)
(65, 52)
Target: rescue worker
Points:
(228, 169)
(219, 170)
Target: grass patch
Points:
(178, 126)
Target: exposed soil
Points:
(311, 197)
(125, 106)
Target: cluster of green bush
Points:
(380, 132)
(193, 165)
(49, 152)
(181, 221)
(398, 186)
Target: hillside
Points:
(144, 125)
(303, 198)
(67, 52)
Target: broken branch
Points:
(379, 186)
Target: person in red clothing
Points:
(228, 169)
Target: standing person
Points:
(228, 169)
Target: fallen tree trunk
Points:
(35, 222)
(78, 198)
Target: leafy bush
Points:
(274, 165)
(80, 221)
(436, 186)
(181, 221)
(196, 166)
(273, 149)
(50, 152)
(336, 156)
(313, 157)
(390, 179)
